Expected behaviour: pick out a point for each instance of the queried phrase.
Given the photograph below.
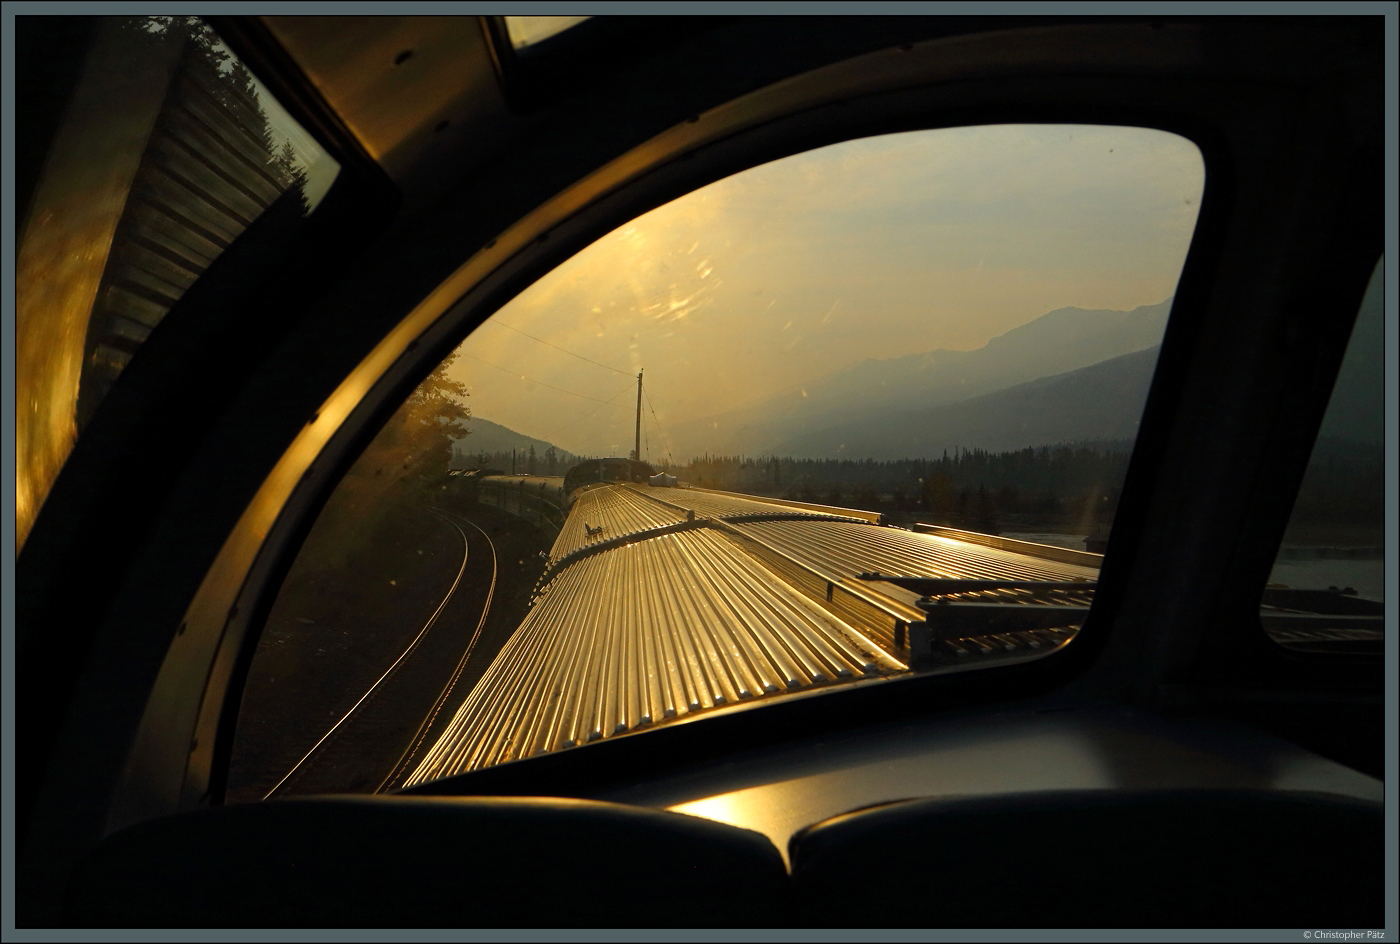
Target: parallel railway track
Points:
(377, 687)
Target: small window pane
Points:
(1327, 588)
(526, 31)
(169, 151)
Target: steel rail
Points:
(427, 725)
(387, 672)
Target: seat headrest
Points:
(356, 861)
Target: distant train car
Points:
(539, 499)
(605, 471)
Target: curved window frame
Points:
(897, 94)
(922, 673)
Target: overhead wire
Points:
(503, 370)
(664, 439)
(570, 425)
(581, 357)
(558, 348)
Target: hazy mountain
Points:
(488, 437)
(1061, 340)
(1100, 402)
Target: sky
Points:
(875, 248)
(321, 169)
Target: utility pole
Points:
(637, 450)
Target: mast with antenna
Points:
(637, 449)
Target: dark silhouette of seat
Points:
(1100, 858)
(430, 862)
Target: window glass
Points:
(1327, 588)
(526, 31)
(857, 413)
(169, 151)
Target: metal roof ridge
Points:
(874, 517)
(558, 566)
(1063, 555)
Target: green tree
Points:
(940, 494)
(985, 513)
(962, 509)
(229, 83)
(425, 427)
(287, 168)
(402, 469)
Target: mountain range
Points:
(488, 437)
(1097, 403)
(840, 414)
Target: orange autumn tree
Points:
(401, 470)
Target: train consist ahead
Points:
(544, 500)
(660, 602)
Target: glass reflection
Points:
(526, 31)
(170, 150)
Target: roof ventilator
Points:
(961, 609)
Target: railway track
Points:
(346, 720)
(401, 769)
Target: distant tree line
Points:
(1065, 467)
(529, 461)
(1344, 485)
(1068, 486)
(1071, 484)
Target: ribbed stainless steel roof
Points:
(840, 549)
(611, 511)
(607, 512)
(649, 631)
(683, 600)
(712, 504)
